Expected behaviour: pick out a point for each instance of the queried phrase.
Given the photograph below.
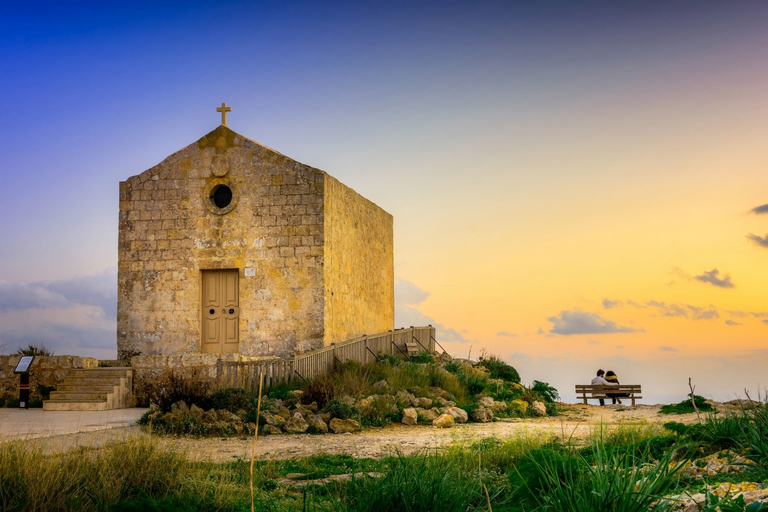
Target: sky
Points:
(575, 185)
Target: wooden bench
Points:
(595, 392)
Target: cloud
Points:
(712, 277)
(731, 322)
(593, 342)
(667, 349)
(760, 209)
(684, 310)
(765, 322)
(582, 322)
(72, 316)
(505, 333)
(608, 304)
(408, 297)
(759, 240)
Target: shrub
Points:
(686, 407)
(231, 399)
(342, 410)
(173, 387)
(498, 369)
(34, 350)
(422, 358)
(545, 391)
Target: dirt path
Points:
(576, 421)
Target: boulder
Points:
(404, 398)
(482, 415)
(296, 425)
(382, 385)
(365, 403)
(428, 414)
(296, 393)
(283, 412)
(410, 416)
(485, 401)
(537, 409)
(209, 416)
(271, 430)
(316, 421)
(443, 421)
(273, 419)
(179, 408)
(226, 416)
(459, 415)
(340, 426)
(312, 407)
(325, 416)
(423, 402)
(196, 412)
(499, 406)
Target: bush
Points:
(342, 410)
(686, 406)
(231, 399)
(34, 350)
(498, 369)
(546, 392)
(173, 387)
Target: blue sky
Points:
(539, 159)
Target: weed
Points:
(686, 406)
(498, 369)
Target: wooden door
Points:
(220, 311)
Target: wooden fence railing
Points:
(365, 349)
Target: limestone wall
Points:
(169, 233)
(359, 265)
(45, 371)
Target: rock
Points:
(312, 407)
(270, 430)
(423, 402)
(499, 406)
(445, 358)
(439, 392)
(537, 409)
(340, 426)
(365, 403)
(272, 419)
(210, 416)
(382, 385)
(459, 415)
(485, 401)
(196, 412)
(276, 402)
(410, 416)
(284, 412)
(179, 408)
(296, 393)
(316, 421)
(443, 421)
(225, 415)
(428, 414)
(404, 398)
(347, 399)
(296, 425)
(325, 416)
(482, 415)
(251, 427)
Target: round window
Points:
(221, 195)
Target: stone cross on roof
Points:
(224, 109)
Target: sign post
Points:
(23, 370)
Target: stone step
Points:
(74, 405)
(101, 372)
(92, 381)
(79, 395)
(88, 387)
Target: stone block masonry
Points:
(313, 259)
(48, 371)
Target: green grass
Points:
(627, 467)
(686, 407)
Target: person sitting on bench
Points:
(612, 378)
(600, 381)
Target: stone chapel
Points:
(229, 247)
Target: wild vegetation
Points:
(375, 394)
(626, 468)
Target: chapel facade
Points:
(229, 247)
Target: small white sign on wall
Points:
(250, 271)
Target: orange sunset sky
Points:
(574, 184)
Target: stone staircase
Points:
(93, 389)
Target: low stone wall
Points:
(48, 371)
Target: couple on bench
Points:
(608, 379)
